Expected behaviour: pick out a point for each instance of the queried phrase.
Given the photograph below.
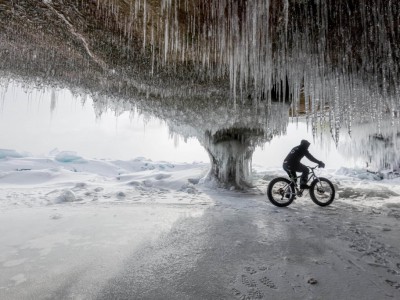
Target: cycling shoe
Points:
(304, 186)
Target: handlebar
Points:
(313, 168)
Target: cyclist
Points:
(292, 164)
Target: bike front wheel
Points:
(281, 192)
(322, 191)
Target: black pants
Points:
(291, 170)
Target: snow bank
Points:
(359, 174)
(7, 153)
(69, 157)
(28, 177)
(66, 196)
(66, 177)
(69, 178)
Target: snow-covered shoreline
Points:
(143, 229)
(67, 177)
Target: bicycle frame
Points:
(311, 177)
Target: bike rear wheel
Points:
(322, 191)
(281, 191)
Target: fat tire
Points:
(313, 190)
(270, 188)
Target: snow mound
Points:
(28, 177)
(189, 188)
(359, 174)
(80, 185)
(5, 153)
(121, 195)
(148, 183)
(66, 196)
(393, 205)
(194, 180)
(69, 157)
(162, 176)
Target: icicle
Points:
(342, 57)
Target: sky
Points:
(39, 121)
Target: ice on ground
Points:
(7, 153)
(66, 177)
(360, 174)
(92, 218)
(68, 157)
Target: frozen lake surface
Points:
(76, 228)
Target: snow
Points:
(73, 227)
(125, 228)
(9, 153)
(69, 156)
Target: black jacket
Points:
(296, 154)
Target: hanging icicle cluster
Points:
(342, 56)
(335, 60)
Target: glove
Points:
(321, 164)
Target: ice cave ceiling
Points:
(207, 64)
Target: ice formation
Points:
(6, 153)
(229, 134)
(229, 137)
(377, 147)
(343, 56)
(336, 61)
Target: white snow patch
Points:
(66, 196)
(13, 263)
(18, 279)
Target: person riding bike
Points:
(292, 164)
